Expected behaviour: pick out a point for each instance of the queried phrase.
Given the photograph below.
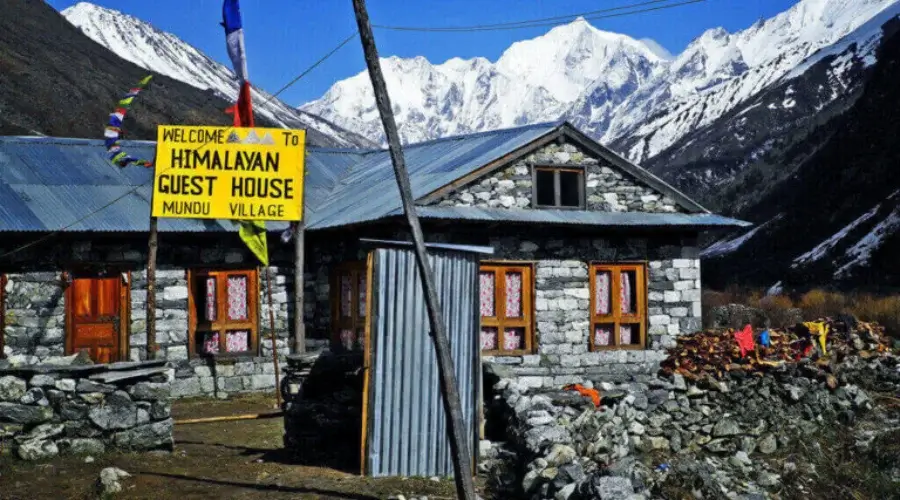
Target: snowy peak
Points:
(158, 51)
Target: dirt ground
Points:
(236, 459)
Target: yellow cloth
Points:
(820, 329)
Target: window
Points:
(348, 298)
(558, 187)
(223, 312)
(506, 317)
(618, 306)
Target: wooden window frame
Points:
(357, 319)
(556, 169)
(500, 268)
(222, 324)
(616, 318)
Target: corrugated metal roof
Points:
(578, 217)
(442, 246)
(368, 191)
(48, 183)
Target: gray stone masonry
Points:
(35, 315)
(72, 410)
(607, 188)
(562, 311)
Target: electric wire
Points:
(534, 23)
(136, 188)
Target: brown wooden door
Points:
(95, 312)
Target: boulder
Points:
(34, 396)
(11, 388)
(82, 446)
(36, 449)
(118, 412)
(23, 414)
(767, 444)
(605, 488)
(110, 481)
(146, 437)
(150, 391)
(726, 427)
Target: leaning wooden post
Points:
(460, 451)
(151, 290)
(272, 333)
(299, 323)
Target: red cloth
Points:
(243, 110)
(584, 391)
(745, 341)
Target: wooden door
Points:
(95, 317)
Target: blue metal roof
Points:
(52, 184)
(578, 217)
(368, 191)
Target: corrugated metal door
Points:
(404, 426)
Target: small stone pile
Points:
(720, 430)
(50, 410)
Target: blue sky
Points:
(286, 36)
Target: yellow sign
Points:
(229, 173)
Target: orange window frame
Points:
(356, 320)
(616, 318)
(500, 321)
(222, 324)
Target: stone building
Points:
(595, 266)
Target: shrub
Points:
(819, 303)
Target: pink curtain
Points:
(513, 295)
(602, 335)
(237, 297)
(624, 334)
(487, 295)
(211, 343)
(348, 338)
(625, 296)
(237, 341)
(601, 292)
(512, 339)
(210, 299)
(488, 339)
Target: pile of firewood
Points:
(823, 342)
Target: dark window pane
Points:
(545, 190)
(569, 183)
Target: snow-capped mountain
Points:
(620, 90)
(138, 42)
(532, 81)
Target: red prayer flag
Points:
(745, 341)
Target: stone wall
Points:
(48, 410)
(35, 316)
(607, 188)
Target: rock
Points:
(560, 454)
(155, 435)
(565, 492)
(657, 396)
(42, 432)
(12, 388)
(37, 450)
(794, 392)
(740, 459)
(748, 444)
(118, 412)
(641, 402)
(149, 391)
(536, 421)
(540, 437)
(82, 446)
(82, 358)
(65, 385)
(720, 446)
(110, 481)
(693, 392)
(160, 410)
(34, 396)
(88, 460)
(92, 398)
(571, 473)
(767, 479)
(767, 444)
(657, 442)
(85, 385)
(636, 428)
(605, 488)
(726, 427)
(529, 481)
(22, 414)
(679, 383)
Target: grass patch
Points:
(814, 304)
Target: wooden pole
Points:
(206, 420)
(272, 332)
(459, 438)
(299, 323)
(151, 291)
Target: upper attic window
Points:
(558, 187)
